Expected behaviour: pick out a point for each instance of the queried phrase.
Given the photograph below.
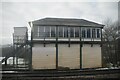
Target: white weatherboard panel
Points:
(44, 57)
(75, 39)
(91, 56)
(89, 39)
(69, 56)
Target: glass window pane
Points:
(52, 31)
(41, 31)
(47, 31)
(60, 31)
(35, 31)
(98, 33)
(88, 33)
(41, 28)
(76, 31)
(71, 32)
(83, 33)
(66, 32)
(93, 33)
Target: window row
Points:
(65, 32)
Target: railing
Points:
(20, 39)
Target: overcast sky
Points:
(18, 14)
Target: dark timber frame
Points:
(101, 46)
(31, 45)
(56, 47)
(69, 37)
(80, 50)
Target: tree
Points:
(110, 46)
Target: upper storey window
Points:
(71, 31)
(47, 31)
(60, 31)
(93, 33)
(36, 31)
(66, 32)
(83, 33)
(77, 32)
(98, 33)
(41, 31)
(88, 33)
(53, 31)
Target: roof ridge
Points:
(60, 18)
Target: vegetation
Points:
(110, 48)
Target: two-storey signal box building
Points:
(61, 42)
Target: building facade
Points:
(66, 43)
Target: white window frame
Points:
(85, 33)
(38, 33)
(55, 31)
(95, 32)
(68, 32)
(63, 32)
(44, 28)
(74, 32)
(50, 31)
(91, 32)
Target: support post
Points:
(30, 55)
(13, 60)
(56, 47)
(14, 55)
(44, 41)
(69, 36)
(101, 47)
(101, 37)
(6, 60)
(80, 49)
(16, 60)
(14, 50)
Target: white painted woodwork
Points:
(44, 57)
(91, 56)
(66, 39)
(69, 56)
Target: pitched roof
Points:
(65, 22)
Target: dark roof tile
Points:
(66, 22)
